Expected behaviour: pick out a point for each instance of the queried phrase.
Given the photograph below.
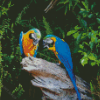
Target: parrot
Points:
(29, 42)
(62, 52)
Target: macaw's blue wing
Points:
(20, 43)
(64, 56)
(35, 52)
(64, 60)
(63, 49)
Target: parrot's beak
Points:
(35, 42)
(45, 44)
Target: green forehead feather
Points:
(45, 38)
(38, 33)
(48, 36)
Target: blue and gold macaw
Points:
(62, 52)
(29, 42)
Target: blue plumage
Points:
(36, 52)
(20, 44)
(26, 47)
(64, 55)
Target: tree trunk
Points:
(53, 80)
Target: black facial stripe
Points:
(52, 43)
(30, 35)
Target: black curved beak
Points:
(35, 42)
(45, 44)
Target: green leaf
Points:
(85, 54)
(86, 43)
(85, 4)
(83, 35)
(85, 15)
(66, 9)
(5, 73)
(62, 2)
(79, 38)
(92, 6)
(93, 38)
(81, 46)
(93, 63)
(82, 9)
(60, 7)
(35, 1)
(17, 89)
(9, 4)
(80, 51)
(20, 92)
(84, 23)
(98, 20)
(79, 6)
(70, 4)
(76, 2)
(91, 45)
(66, 1)
(90, 15)
(98, 27)
(92, 56)
(47, 26)
(61, 31)
(75, 35)
(97, 13)
(77, 28)
(84, 61)
(92, 89)
(89, 35)
(1, 32)
(99, 40)
(11, 56)
(71, 32)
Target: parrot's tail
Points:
(73, 79)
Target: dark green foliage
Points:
(76, 21)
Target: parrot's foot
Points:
(46, 46)
(58, 64)
(30, 58)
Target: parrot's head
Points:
(35, 35)
(48, 40)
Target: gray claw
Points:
(30, 58)
(58, 64)
(46, 46)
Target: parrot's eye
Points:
(48, 43)
(32, 36)
(51, 44)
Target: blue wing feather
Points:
(63, 49)
(35, 52)
(20, 43)
(64, 56)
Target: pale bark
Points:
(53, 80)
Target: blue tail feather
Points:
(64, 60)
(73, 79)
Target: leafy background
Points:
(75, 21)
